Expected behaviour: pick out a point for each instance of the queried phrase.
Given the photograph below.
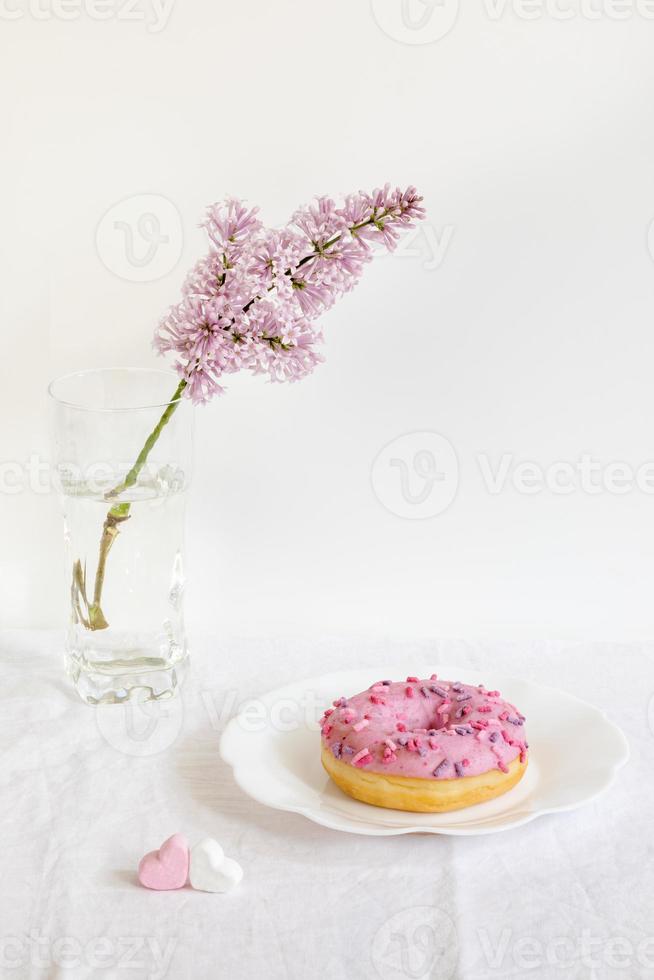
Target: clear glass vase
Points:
(122, 457)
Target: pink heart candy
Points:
(166, 868)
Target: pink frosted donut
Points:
(424, 745)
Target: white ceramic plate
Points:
(273, 746)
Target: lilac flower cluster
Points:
(252, 303)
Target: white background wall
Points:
(526, 334)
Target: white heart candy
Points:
(210, 870)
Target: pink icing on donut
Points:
(448, 729)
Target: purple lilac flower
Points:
(250, 303)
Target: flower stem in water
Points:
(120, 512)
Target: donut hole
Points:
(429, 721)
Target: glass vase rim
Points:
(143, 405)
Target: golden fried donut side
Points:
(421, 795)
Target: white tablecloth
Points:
(85, 795)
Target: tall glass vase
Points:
(122, 454)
